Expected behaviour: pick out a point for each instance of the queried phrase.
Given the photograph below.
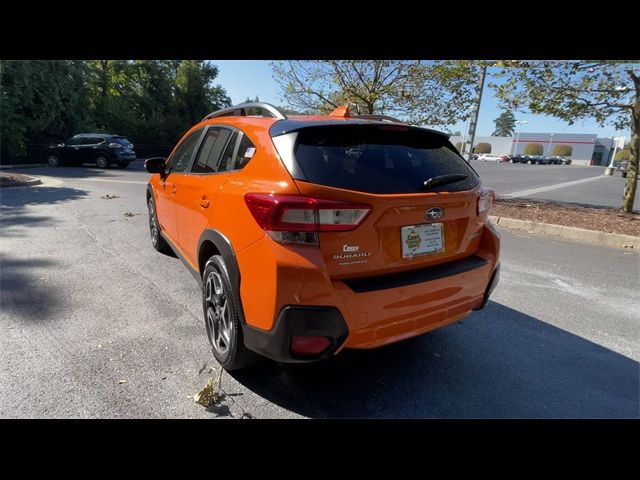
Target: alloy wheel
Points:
(218, 316)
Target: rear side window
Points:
(227, 156)
(378, 159)
(122, 141)
(213, 144)
(246, 151)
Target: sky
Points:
(248, 78)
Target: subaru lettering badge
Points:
(433, 214)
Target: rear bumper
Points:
(299, 321)
(370, 312)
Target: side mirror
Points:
(155, 165)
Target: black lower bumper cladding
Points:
(295, 320)
(495, 278)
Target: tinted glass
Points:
(212, 146)
(246, 151)
(226, 162)
(74, 141)
(379, 159)
(182, 156)
(122, 141)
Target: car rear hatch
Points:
(386, 219)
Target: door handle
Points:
(204, 202)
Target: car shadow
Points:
(498, 363)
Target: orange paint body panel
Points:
(273, 275)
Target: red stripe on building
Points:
(546, 141)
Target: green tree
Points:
(482, 148)
(457, 133)
(251, 100)
(533, 149)
(40, 102)
(196, 96)
(623, 154)
(562, 150)
(607, 91)
(505, 124)
(436, 93)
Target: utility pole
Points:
(476, 109)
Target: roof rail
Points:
(382, 118)
(240, 110)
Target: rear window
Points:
(122, 141)
(378, 159)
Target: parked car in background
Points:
(552, 160)
(474, 156)
(562, 160)
(518, 159)
(538, 160)
(310, 234)
(103, 149)
(623, 168)
(488, 157)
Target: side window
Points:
(182, 156)
(226, 162)
(246, 151)
(74, 141)
(212, 146)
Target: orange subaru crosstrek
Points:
(310, 234)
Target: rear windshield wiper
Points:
(443, 180)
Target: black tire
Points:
(102, 161)
(53, 160)
(221, 320)
(159, 243)
(123, 164)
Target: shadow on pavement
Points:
(85, 171)
(24, 292)
(14, 203)
(498, 363)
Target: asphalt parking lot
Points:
(95, 323)
(580, 185)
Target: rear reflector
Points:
(286, 218)
(485, 202)
(309, 345)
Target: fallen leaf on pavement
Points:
(108, 196)
(130, 214)
(120, 382)
(208, 395)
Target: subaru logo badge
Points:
(433, 214)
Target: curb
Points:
(571, 233)
(25, 165)
(28, 183)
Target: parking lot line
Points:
(556, 186)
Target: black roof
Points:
(292, 125)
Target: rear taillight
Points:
(294, 219)
(114, 145)
(485, 202)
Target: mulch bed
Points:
(608, 220)
(8, 179)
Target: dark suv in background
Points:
(103, 149)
